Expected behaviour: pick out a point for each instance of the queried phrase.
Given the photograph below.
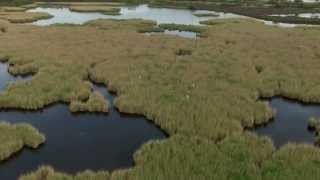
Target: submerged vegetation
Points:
(14, 137)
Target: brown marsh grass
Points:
(204, 100)
(109, 10)
(23, 17)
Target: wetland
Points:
(142, 95)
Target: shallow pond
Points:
(77, 142)
(290, 123)
(160, 15)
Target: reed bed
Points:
(16, 136)
(204, 100)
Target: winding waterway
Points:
(76, 142)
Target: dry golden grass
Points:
(23, 17)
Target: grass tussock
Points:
(95, 103)
(109, 10)
(23, 17)
(314, 125)
(15, 136)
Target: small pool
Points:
(290, 123)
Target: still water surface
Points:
(290, 123)
(77, 142)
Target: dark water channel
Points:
(290, 123)
(76, 142)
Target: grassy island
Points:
(16, 136)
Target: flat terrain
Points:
(204, 99)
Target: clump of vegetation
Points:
(24, 69)
(183, 52)
(314, 123)
(46, 173)
(42, 90)
(151, 29)
(103, 9)
(212, 22)
(24, 17)
(14, 137)
(95, 103)
(181, 27)
(206, 14)
(3, 29)
(137, 25)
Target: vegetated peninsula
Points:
(205, 93)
